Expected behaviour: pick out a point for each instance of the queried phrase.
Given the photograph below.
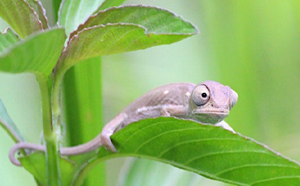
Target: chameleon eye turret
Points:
(200, 95)
(211, 102)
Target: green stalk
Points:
(83, 104)
(56, 94)
(49, 134)
(55, 7)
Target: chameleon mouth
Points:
(212, 112)
(210, 116)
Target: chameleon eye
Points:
(201, 95)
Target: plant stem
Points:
(83, 109)
(50, 136)
(56, 94)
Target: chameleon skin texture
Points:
(150, 104)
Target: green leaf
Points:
(125, 29)
(35, 163)
(74, 12)
(109, 3)
(7, 39)
(37, 54)
(38, 170)
(155, 20)
(204, 149)
(20, 16)
(8, 125)
(41, 12)
(112, 39)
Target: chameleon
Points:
(208, 102)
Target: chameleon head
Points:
(211, 102)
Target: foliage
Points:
(97, 30)
(207, 150)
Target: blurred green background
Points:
(253, 46)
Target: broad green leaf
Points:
(37, 54)
(120, 37)
(20, 16)
(35, 163)
(8, 125)
(155, 20)
(204, 149)
(41, 12)
(109, 3)
(7, 39)
(74, 12)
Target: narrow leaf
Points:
(153, 19)
(20, 16)
(37, 53)
(8, 125)
(41, 12)
(72, 13)
(7, 39)
(204, 149)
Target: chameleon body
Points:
(208, 103)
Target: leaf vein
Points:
(176, 130)
(274, 178)
(197, 140)
(253, 165)
(140, 130)
(227, 152)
